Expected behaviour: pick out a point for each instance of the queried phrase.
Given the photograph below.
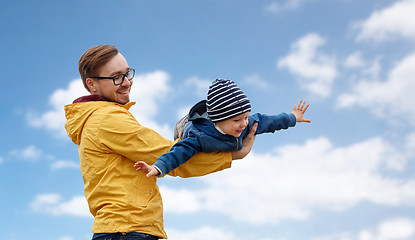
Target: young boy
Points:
(219, 124)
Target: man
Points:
(110, 140)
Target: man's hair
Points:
(91, 61)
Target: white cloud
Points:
(256, 81)
(393, 229)
(148, 91)
(54, 119)
(410, 144)
(62, 164)
(391, 99)
(183, 111)
(355, 60)
(192, 204)
(30, 153)
(65, 238)
(204, 233)
(316, 70)
(394, 21)
(278, 6)
(396, 229)
(33, 154)
(331, 178)
(53, 204)
(199, 86)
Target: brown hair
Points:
(93, 59)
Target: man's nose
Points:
(126, 82)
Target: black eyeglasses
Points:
(119, 79)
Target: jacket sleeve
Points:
(180, 153)
(120, 133)
(272, 123)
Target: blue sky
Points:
(348, 175)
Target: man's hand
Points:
(150, 170)
(247, 144)
(299, 111)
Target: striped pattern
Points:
(226, 100)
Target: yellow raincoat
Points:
(110, 141)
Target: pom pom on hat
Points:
(226, 100)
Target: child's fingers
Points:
(139, 164)
(300, 106)
(305, 109)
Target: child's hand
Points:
(150, 170)
(299, 111)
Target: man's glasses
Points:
(119, 79)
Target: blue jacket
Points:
(200, 135)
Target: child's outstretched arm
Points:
(150, 170)
(299, 111)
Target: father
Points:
(125, 203)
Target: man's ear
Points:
(91, 84)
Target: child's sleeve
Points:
(272, 123)
(180, 153)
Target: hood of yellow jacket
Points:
(78, 113)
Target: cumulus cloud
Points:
(149, 90)
(390, 99)
(391, 22)
(278, 6)
(410, 144)
(62, 164)
(297, 180)
(255, 80)
(193, 200)
(54, 119)
(30, 153)
(355, 60)
(54, 204)
(315, 69)
(392, 229)
(205, 233)
(183, 111)
(199, 85)
(65, 238)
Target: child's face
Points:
(234, 126)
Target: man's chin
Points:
(123, 99)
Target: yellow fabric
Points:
(110, 141)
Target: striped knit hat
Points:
(226, 100)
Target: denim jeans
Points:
(123, 236)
